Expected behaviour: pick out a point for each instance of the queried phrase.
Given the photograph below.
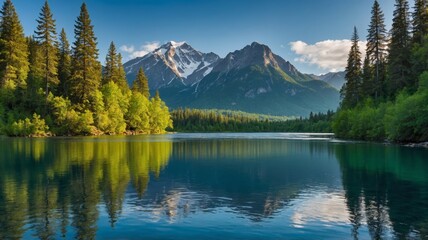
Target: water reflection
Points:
(104, 187)
(50, 184)
(386, 188)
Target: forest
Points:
(386, 93)
(196, 120)
(48, 87)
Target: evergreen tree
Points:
(420, 21)
(367, 85)
(110, 72)
(14, 64)
(121, 82)
(64, 64)
(141, 84)
(376, 49)
(399, 67)
(85, 68)
(46, 34)
(36, 73)
(113, 71)
(351, 91)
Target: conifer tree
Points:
(46, 35)
(351, 91)
(85, 68)
(64, 64)
(121, 82)
(14, 64)
(110, 72)
(399, 66)
(36, 73)
(141, 84)
(367, 84)
(113, 71)
(420, 21)
(376, 50)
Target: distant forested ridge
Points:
(49, 87)
(386, 94)
(193, 120)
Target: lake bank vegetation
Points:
(386, 94)
(196, 120)
(48, 87)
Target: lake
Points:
(211, 186)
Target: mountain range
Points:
(252, 79)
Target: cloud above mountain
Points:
(328, 55)
(133, 52)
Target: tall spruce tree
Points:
(64, 64)
(121, 81)
(85, 68)
(110, 72)
(14, 64)
(351, 91)
(367, 84)
(46, 35)
(376, 50)
(420, 21)
(113, 70)
(141, 84)
(399, 66)
(36, 73)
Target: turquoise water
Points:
(211, 186)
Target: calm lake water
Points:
(211, 186)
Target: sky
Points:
(311, 34)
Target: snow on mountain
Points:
(173, 63)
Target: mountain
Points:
(335, 79)
(252, 79)
(172, 64)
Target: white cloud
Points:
(142, 51)
(329, 55)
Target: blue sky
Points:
(297, 30)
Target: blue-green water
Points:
(211, 186)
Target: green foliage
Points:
(28, 127)
(68, 121)
(195, 120)
(85, 68)
(46, 35)
(361, 122)
(113, 70)
(351, 91)
(64, 64)
(14, 64)
(399, 65)
(160, 118)
(407, 119)
(141, 84)
(138, 115)
(114, 105)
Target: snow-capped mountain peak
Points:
(180, 61)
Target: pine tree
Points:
(14, 64)
(46, 34)
(110, 72)
(420, 21)
(36, 73)
(121, 81)
(399, 66)
(141, 84)
(85, 68)
(351, 91)
(367, 84)
(64, 64)
(113, 71)
(376, 48)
